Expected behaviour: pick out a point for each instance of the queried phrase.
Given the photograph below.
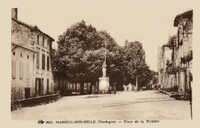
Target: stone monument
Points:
(104, 81)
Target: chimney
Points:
(14, 13)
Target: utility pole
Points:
(136, 80)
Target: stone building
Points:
(183, 62)
(31, 60)
(159, 65)
(178, 71)
(165, 80)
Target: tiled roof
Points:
(32, 28)
(187, 14)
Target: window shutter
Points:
(20, 70)
(38, 59)
(47, 63)
(43, 61)
(27, 68)
(13, 69)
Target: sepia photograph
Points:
(98, 62)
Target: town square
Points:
(111, 62)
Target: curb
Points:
(175, 96)
(165, 92)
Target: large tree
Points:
(81, 52)
(80, 56)
(135, 64)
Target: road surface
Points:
(123, 105)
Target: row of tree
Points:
(80, 56)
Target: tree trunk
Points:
(136, 83)
(92, 84)
(82, 88)
(58, 78)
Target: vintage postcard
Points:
(99, 63)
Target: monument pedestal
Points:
(104, 84)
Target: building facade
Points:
(159, 66)
(165, 79)
(175, 72)
(31, 61)
(183, 62)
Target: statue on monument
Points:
(104, 81)
(104, 69)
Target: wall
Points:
(184, 22)
(25, 44)
(43, 48)
(22, 72)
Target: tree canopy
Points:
(135, 64)
(80, 57)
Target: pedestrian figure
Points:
(115, 89)
(130, 87)
(125, 88)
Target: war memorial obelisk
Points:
(104, 81)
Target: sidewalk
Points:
(33, 101)
(176, 95)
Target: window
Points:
(27, 92)
(47, 62)
(47, 45)
(47, 86)
(36, 86)
(20, 70)
(43, 61)
(37, 60)
(13, 53)
(38, 39)
(13, 69)
(43, 41)
(21, 55)
(27, 56)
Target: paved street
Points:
(123, 105)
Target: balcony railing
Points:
(187, 58)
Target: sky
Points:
(151, 23)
